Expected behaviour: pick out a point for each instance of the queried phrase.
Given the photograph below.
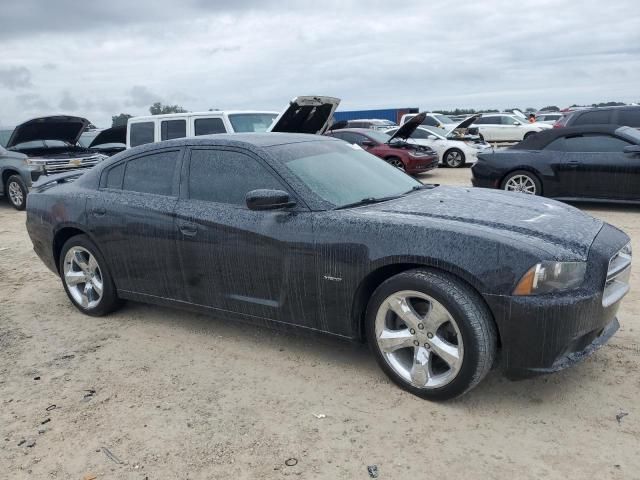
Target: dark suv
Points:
(628, 116)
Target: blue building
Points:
(393, 114)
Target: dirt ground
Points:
(180, 395)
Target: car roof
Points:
(611, 107)
(210, 113)
(364, 131)
(543, 138)
(265, 139)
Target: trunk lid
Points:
(306, 114)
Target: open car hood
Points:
(407, 129)
(462, 129)
(307, 114)
(518, 113)
(110, 135)
(58, 127)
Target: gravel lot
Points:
(180, 395)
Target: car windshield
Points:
(342, 174)
(443, 118)
(379, 137)
(438, 132)
(251, 122)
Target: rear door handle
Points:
(573, 163)
(188, 229)
(99, 211)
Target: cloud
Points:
(250, 54)
(140, 96)
(68, 103)
(15, 77)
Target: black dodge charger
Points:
(310, 232)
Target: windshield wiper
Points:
(367, 201)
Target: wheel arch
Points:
(61, 236)
(377, 276)
(8, 172)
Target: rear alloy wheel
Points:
(85, 277)
(454, 158)
(396, 162)
(16, 192)
(522, 182)
(431, 334)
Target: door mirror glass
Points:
(432, 137)
(263, 199)
(515, 124)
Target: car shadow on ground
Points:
(323, 349)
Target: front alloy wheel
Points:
(396, 162)
(419, 339)
(454, 158)
(522, 182)
(431, 333)
(16, 191)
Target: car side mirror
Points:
(264, 199)
(632, 149)
(368, 143)
(516, 124)
(432, 137)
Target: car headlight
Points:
(420, 153)
(547, 277)
(35, 163)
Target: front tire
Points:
(454, 158)
(396, 162)
(16, 192)
(522, 181)
(85, 277)
(431, 334)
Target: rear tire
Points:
(86, 278)
(443, 342)
(16, 192)
(528, 134)
(522, 181)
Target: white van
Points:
(305, 114)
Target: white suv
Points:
(507, 127)
(305, 114)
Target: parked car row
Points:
(593, 162)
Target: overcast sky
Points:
(97, 59)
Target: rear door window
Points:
(170, 129)
(597, 117)
(629, 117)
(155, 173)
(115, 176)
(141, 133)
(208, 126)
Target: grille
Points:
(52, 166)
(617, 284)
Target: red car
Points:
(410, 157)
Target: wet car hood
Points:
(514, 214)
(110, 135)
(58, 127)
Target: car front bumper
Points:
(421, 164)
(546, 333)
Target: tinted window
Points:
(629, 118)
(251, 122)
(508, 121)
(432, 122)
(593, 118)
(141, 133)
(114, 176)
(209, 126)
(588, 143)
(419, 133)
(488, 121)
(173, 129)
(225, 176)
(154, 173)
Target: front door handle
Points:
(573, 163)
(98, 211)
(188, 229)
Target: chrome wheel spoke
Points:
(97, 286)
(392, 340)
(404, 311)
(445, 350)
(74, 278)
(421, 368)
(436, 316)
